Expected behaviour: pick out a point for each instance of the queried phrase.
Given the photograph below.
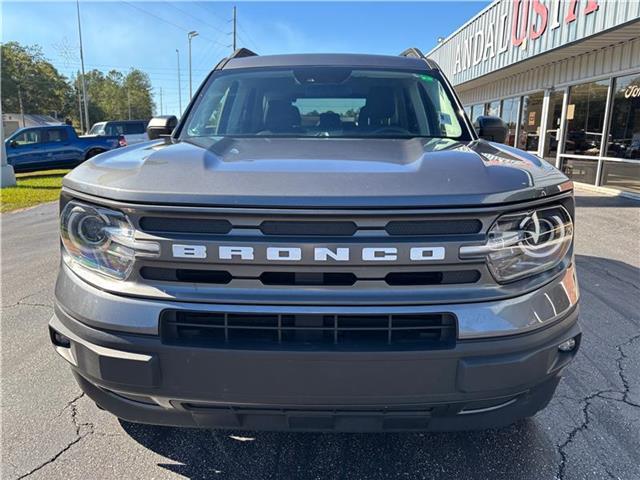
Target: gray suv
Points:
(322, 242)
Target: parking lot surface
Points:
(591, 429)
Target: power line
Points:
(196, 18)
(180, 27)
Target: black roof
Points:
(327, 59)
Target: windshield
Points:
(324, 102)
(97, 129)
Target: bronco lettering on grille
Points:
(320, 254)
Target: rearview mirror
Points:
(161, 126)
(493, 129)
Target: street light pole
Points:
(84, 80)
(191, 35)
(179, 92)
(234, 27)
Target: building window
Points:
(624, 133)
(510, 117)
(467, 110)
(621, 175)
(585, 118)
(530, 121)
(553, 126)
(476, 111)
(582, 170)
(492, 108)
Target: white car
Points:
(134, 131)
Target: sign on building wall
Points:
(509, 31)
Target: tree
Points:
(31, 82)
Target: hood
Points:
(318, 172)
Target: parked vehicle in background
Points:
(39, 148)
(134, 131)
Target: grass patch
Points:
(32, 188)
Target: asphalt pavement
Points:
(590, 430)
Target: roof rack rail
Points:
(238, 53)
(417, 53)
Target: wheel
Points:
(93, 152)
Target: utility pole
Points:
(234, 27)
(191, 35)
(21, 107)
(79, 104)
(161, 106)
(84, 80)
(179, 92)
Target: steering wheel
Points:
(398, 130)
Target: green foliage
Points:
(32, 189)
(27, 76)
(112, 96)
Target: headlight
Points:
(525, 243)
(101, 240)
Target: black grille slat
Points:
(337, 228)
(246, 330)
(434, 227)
(301, 279)
(184, 225)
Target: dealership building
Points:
(565, 77)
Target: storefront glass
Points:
(553, 126)
(492, 108)
(621, 175)
(476, 111)
(624, 132)
(530, 121)
(585, 118)
(510, 117)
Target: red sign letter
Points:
(592, 6)
(524, 22)
(571, 12)
(542, 12)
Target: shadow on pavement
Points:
(260, 455)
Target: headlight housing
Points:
(100, 240)
(525, 243)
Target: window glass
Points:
(492, 108)
(624, 133)
(530, 121)
(580, 170)
(467, 110)
(510, 117)
(134, 128)
(27, 138)
(115, 129)
(329, 112)
(97, 129)
(476, 111)
(553, 126)
(585, 118)
(324, 102)
(55, 135)
(621, 175)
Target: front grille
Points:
(310, 278)
(318, 331)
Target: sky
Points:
(145, 35)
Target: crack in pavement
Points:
(587, 403)
(22, 301)
(79, 436)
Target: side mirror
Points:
(13, 144)
(161, 126)
(493, 129)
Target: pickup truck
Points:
(322, 242)
(40, 148)
(134, 131)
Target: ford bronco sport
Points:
(322, 242)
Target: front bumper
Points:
(478, 384)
